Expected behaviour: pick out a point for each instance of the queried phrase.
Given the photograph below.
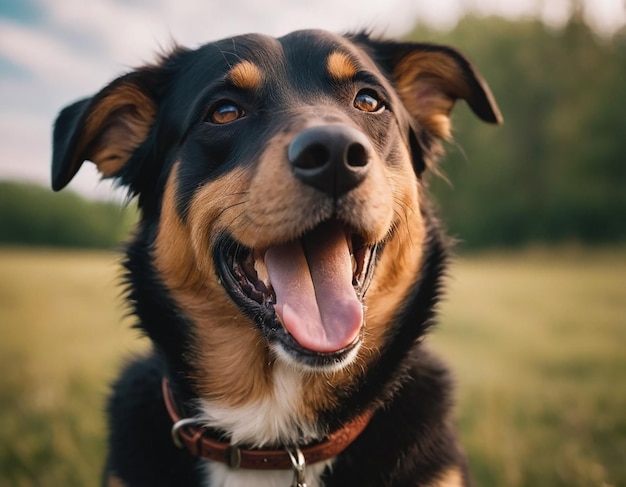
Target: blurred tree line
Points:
(32, 215)
(556, 170)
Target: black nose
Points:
(331, 158)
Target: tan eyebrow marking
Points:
(245, 75)
(340, 66)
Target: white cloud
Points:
(19, 131)
(79, 46)
(46, 58)
(556, 12)
(606, 15)
(124, 32)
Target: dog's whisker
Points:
(230, 207)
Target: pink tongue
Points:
(312, 279)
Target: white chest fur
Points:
(273, 419)
(219, 475)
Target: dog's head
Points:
(280, 188)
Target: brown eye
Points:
(225, 112)
(368, 101)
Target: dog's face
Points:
(280, 183)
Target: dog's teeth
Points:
(261, 271)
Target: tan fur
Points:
(245, 75)
(341, 67)
(429, 83)
(400, 261)
(115, 128)
(450, 478)
(230, 358)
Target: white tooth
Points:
(366, 260)
(261, 271)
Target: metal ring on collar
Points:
(176, 430)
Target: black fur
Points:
(411, 439)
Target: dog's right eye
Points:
(224, 112)
(368, 101)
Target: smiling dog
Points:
(287, 262)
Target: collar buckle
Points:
(234, 457)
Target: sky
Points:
(53, 52)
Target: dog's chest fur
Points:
(274, 419)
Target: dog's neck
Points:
(187, 433)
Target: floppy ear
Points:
(105, 129)
(429, 78)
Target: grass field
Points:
(537, 342)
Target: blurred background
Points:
(534, 320)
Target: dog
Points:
(287, 262)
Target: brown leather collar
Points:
(187, 433)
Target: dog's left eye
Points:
(225, 112)
(368, 101)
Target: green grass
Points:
(536, 341)
(62, 339)
(537, 344)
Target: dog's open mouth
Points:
(306, 293)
